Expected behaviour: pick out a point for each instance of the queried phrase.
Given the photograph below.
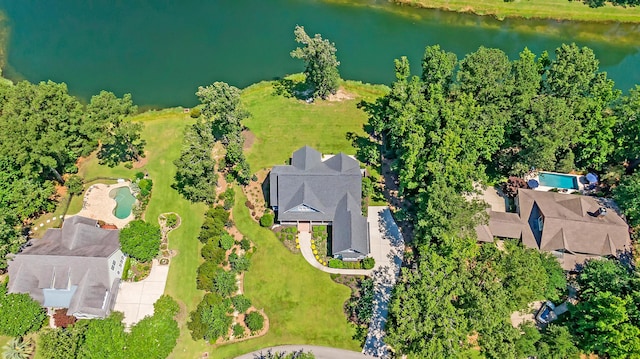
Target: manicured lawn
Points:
(282, 125)
(539, 9)
(163, 132)
(303, 304)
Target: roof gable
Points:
(306, 158)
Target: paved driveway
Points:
(319, 352)
(135, 299)
(384, 278)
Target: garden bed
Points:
(288, 235)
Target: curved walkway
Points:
(307, 253)
(318, 351)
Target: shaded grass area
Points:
(303, 304)
(164, 131)
(282, 125)
(538, 9)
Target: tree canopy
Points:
(140, 240)
(321, 63)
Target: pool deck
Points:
(99, 205)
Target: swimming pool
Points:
(124, 201)
(557, 180)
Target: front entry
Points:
(304, 227)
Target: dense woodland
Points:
(44, 132)
(478, 119)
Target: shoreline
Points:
(572, 11)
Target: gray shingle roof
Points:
(311, 189)
(68, 267)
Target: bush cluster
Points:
(266, 220)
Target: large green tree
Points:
(627, 195)
(140, 240)
(196, 176)
(321, 63)
(19, 314)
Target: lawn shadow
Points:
(289, 88)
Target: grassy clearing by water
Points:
(538, 9)
(282, 125)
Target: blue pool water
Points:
(124, 202)
(558, 181)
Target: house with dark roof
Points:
(573, 228)
(321, 191)
(77, 267)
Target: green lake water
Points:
(160, 51)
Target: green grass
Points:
(282, 125)
(163, 132)
(303, 304)
(538, 9)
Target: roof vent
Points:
(601, 212)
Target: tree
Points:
(196, 178)
(62, 343)
(557, 343)
(602, 325)
(104, 339)
(321, 63)
(19, 314)
(104, 112)
(153, 337)
(166, 306)
(628, 128)
(221, 105)
(16, 348)
(627, 195)
(224, 283)
(10, 238)
(74, 184)
(140, 240)
(121, 144)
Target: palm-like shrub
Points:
(17, 348)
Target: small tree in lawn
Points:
(140, 240)
(321, 62)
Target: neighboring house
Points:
(77, 267)
(573, 228)
(326, 191)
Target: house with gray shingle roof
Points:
(573, 228)
(77, 267)
(323, 191)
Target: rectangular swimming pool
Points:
(557, 180)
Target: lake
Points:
(161, 51)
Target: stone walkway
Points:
(135, 299)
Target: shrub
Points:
(239, 263)
(140, 240)
(207, 272)
(245, 244)
(74, 183)
(61, 319)
(336, 263)
(19, 314)
(212, 252)
(224, 283)
(241, 303)
(266, 220)
(238, 331)
(254, 321)
(226, 241)
(172, 220)
(195, 112)
(145, 187)
(139, 175)
(368, 263)
(128, 165)
(166, 306)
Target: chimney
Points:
(601, 212)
